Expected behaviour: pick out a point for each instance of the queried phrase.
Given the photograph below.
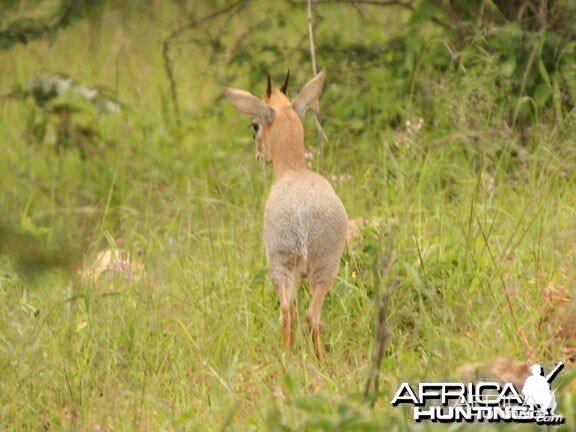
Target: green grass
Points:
(483, 231)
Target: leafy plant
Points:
(533, 41)
(60, 101)
(24, 29)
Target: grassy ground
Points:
(483, 233)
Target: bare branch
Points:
(12, 94)
(178, 31)
(383, 3)
(26, 30)
(448, 11)
(407, 4)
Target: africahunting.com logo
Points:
(484, 401)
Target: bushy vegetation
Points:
(132, 272)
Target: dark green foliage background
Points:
(451, 130)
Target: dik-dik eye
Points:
(255, 128)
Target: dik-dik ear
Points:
(250, 105)
(309, 94)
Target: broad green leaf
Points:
(542, 93)
(543, 72)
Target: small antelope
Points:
(305, 222)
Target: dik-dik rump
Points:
(305, 222)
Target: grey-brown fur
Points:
(304, 229)
(305, 222)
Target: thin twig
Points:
(204, 362)
(407, 4)
(419, 254)
(229, 418)
(381, 270)
(321, 134)
(26, 30)
(12, 94)
(499, 275)
(178, 31)
(448, 11)
(382, 341)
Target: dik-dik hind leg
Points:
(285, 292)
(318, 291)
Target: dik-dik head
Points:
(275, 119)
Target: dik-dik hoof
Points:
(321, 327)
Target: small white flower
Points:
(489, 182)
(309, 154)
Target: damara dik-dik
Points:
(305, 222)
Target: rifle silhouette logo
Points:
(537, 390)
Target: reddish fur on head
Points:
(279, 134)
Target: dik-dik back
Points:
(305, 222)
